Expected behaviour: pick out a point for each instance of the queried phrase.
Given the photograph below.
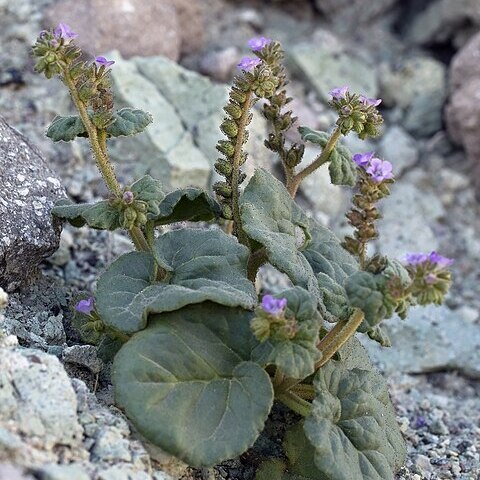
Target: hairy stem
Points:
(295, 403)
(318, 162)
(338, 336)
(237, 157)
(305, 391)
(139, 240)
(104, 165)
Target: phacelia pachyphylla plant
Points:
(198, 357)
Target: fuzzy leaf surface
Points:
(332, 265)
(128, 121)
(342, 169)
(66, 129)
(368, 292)
(352, 427)
(101, 215)
(295, 357)
(202, 264)
(188, 389)
(187, 204)
(150, 191)
(274, 220)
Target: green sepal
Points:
(342, 169)
(352, 427)
(66, 129)
(128, 121)
(101, 215)
(186, 382)
(295, 357)
(202, 264)
(187, 205)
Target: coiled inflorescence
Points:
(256, 81)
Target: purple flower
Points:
(272, 305)
(370, 102)
(258, 43)
(65, 32)
(103, 62)
(85, 306)
(414, 259)
(128, 197)
(439, 260)
(363, 159)
(249, 63)
(380, 170)
(339, 92)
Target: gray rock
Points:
(418, 87)
(12, 472)
(324, 70)
(399, 148)
(408, 214)
(317, 187)
(110, 446)
(38, 410)
(83, 355)
(442, 20)
(179, 147)
(220, 64)
(353, 14)
(424, 343)
(28, 190)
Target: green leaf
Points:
(343, 170)
(100, 215)
(332, 265)
(271, 218)
(341, 167)
(203, 265)
(187, 205)
(66, 129)
(368, 292)
(188, 390)
(128, 121)
(352, 427)
(150, 191)
(295, 357)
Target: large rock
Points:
(424, 343)
(409, 215)
(187, 109)
(418, 87)
(134, 27)
(324, 70)
(463, 109)
(38, 408)
(442, 20)
(28, 190)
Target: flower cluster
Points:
(430, 275)
(133, 212)
(272, 321)
(356, 112)
(378, 170)
(58, 55)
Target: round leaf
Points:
(66, 129)
(188, 390)
(128, 121)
